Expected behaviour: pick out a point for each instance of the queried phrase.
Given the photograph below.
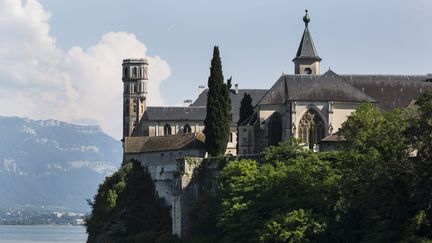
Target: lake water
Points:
(43, 233)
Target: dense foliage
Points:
(376, 189)
(127, 208)
(218, 115)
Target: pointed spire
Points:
(307, 48)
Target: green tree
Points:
(218, 115)
(246, 110)
(377, 182)
(255, 195)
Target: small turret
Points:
(307, 60)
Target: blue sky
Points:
(257, 39)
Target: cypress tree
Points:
(246, 110)
(218, 109)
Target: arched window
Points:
(187, 129)
(135, 72)
(308, 71)
(167, 129)
(311, 129)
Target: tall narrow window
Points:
(187, 129)
(135, 72)
(167, 129)
(311, 129)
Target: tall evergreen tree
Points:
(246, 110)
(218, 109)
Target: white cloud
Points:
(40, 80)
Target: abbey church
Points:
(306, 105)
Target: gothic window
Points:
(311, 129)
(275, 129)
(167, 129)
(187, 129)
(135, 72)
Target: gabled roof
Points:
(389, 91)
(191, 113)
(256, 95)
(329, 87)
(180, 141)
(326, 87)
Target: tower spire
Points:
(307, 59)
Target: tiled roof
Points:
(391, 91)
(164, 143)
(195, 113)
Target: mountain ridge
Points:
(53, 163)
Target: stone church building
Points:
(306, 105)
(312, 106)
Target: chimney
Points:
(236, 90)
(187, 103)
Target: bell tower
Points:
(307, 60)
(134, 95)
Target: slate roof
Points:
(388, 91)
(178, 141)
(195, 113)
(391, 91)
(307, 48)
(256, 95)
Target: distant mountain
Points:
(52, 163)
